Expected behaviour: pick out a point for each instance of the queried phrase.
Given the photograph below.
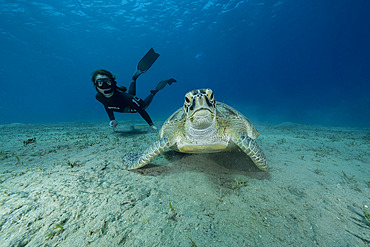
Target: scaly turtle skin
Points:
(202, 126)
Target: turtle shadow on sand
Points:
(213, 164)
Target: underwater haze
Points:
(277, 61)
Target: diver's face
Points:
(104, 85)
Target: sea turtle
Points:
(202, 125)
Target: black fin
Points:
(147, 61)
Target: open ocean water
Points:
(299, 70)
(281, 61)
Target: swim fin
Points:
(162, 84)
(147, 61)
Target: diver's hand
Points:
(113, 124)
(154, 129)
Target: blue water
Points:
(276, 61)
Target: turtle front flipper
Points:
(251, 148)
(137, 160)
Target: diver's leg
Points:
(160, 86)
(149, 99)
(132, 88)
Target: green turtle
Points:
(202, 125)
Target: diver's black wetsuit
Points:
(126, 102)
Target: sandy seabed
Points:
(69, 188)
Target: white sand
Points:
(316, 175)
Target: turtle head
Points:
(200, 108)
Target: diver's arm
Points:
(103, 100)
(110, 113)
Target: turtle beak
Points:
(201, 112)
(202, 116)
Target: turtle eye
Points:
(211, 97)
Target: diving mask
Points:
(104, 83)
(105, 86)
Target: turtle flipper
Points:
(251, 148)
(136, 160)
